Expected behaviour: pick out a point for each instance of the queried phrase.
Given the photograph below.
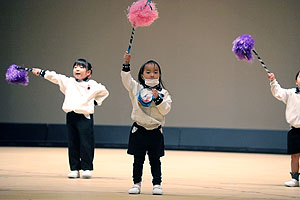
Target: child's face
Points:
(80, 72)
(151, 71)
(298, 80)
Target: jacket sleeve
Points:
(101, 95)
(278, 92)
(164, 106)
(58, 79)
(129, 83)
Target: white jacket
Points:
(149, 117)
(79, 95)
(292, 101)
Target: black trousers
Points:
(155, 169)
(81, 142)
(142, 141)
(293, 141)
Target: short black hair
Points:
(84, 63)
(297, 75)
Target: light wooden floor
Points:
(40, 174)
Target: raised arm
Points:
(129, 83)
(278, 92)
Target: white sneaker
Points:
(86, 174)
(74, 174)
(157, 190)
(135, 189)
(292, 183)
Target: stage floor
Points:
(40, 174)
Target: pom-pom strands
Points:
(141, 13)
(243, 46)
(17, 75)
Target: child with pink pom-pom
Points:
(151, 103)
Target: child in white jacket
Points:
(150, 103)
(291, 97)
(81, 95)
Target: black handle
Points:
(24, 68)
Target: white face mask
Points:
(151, 82)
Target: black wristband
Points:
(158, 100)
(126, 68)
(42, 73)
(95, 103)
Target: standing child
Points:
(291, 97)
(81, 95)
(150, 102)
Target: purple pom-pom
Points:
(15, 76)
(242, 47)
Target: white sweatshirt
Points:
(292, 101)
(149, 117)
(79, 95)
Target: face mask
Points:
(151, 82)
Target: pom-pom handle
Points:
(261, 61)
(24, 68)
(131, 39)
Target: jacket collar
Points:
(85, 80)
(157, 87)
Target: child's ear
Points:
(89, 72)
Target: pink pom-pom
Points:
(142, 13)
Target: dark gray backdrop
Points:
(192, 40)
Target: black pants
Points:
(293, 141)
(81, 142)
(155, 169)
(142, 141)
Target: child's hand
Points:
(36, 71)
(155, 93)
(271, 76)
(127, 57)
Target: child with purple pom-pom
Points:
(81, 95)
(291, 97)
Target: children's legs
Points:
(295, 163)
(87, 142)
(155, 169)
(73, 143)
(138, 168)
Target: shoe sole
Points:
(73, 177)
